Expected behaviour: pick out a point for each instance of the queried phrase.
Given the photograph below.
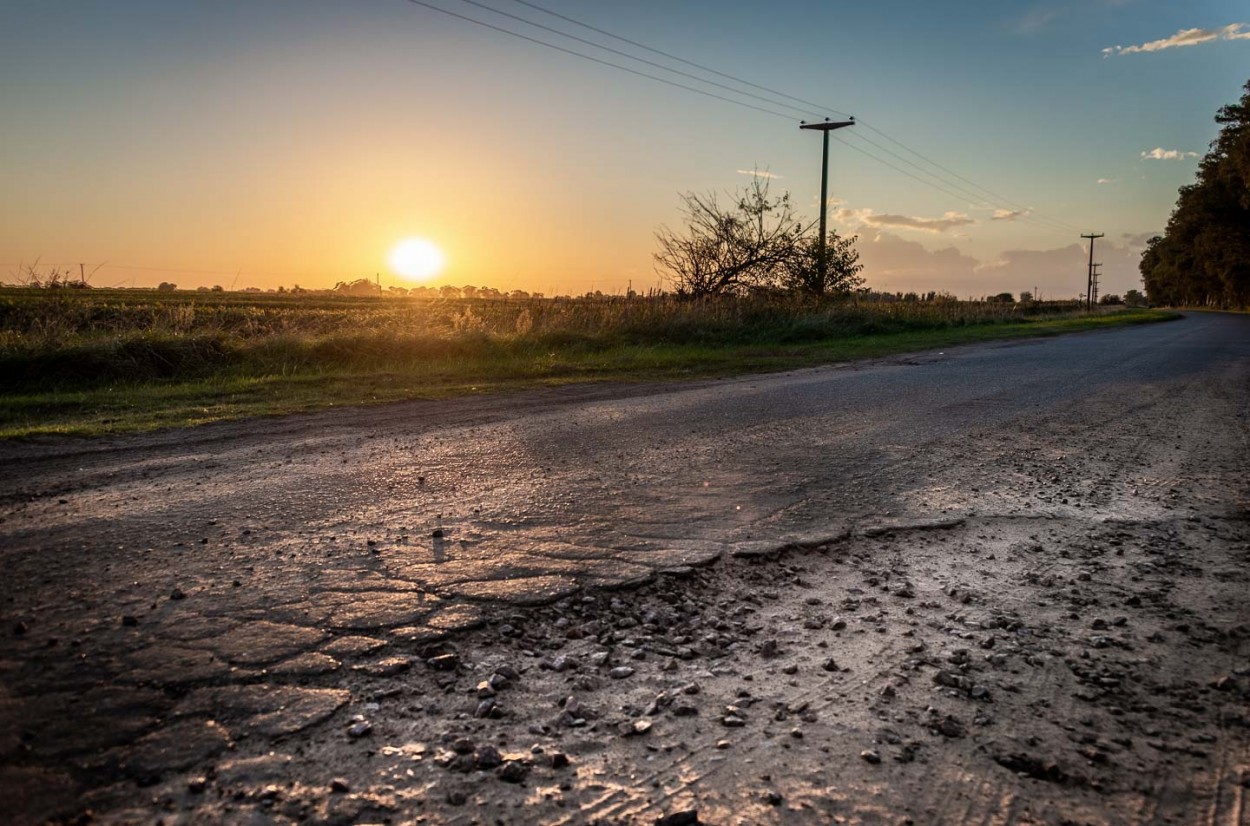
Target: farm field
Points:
(87, 362)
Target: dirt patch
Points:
(1031, 670)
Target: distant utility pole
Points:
(1089, 283)
(1093, 286)
(826, 127)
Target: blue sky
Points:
(297, 140)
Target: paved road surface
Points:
(144, 568)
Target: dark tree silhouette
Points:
(1203, 258)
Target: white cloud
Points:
(866, 217)
(1185, 37)
(1161, 154)
(1008, 214)
(1108, 180)
(759, 173)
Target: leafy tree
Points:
(802, 273)
(166, 287)
(1203, 258)
(730, 250)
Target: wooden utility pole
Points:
(1089, 283)
(826, 127)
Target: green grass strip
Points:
(130, 408)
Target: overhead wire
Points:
(643, 60)
(600, 61)
(943, 184)
(815, 106)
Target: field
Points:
(86, 362)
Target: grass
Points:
(91, 362)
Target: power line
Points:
(939, 187)
(960, 190)
(987, 192)
(946, 186)
(558, 48)
(629, 56)
(816, 106)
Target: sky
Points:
(287, 142)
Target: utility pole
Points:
(1093, 285)
(826, 127)
(1089, 283)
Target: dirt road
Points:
(1004, 583)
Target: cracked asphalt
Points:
(178, 604)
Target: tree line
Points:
(1203, 258)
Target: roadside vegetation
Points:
(90, 361)
(1203, 259)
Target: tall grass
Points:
(64, 340)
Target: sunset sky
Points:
(271, 143)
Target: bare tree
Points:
(728, 250)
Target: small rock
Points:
(870, 756)
(513, 771)
(197, 785)
(463, 745)
(830, 664)
(359, 728)
(340, 785)
(559, 760)
(620, 672)
(686, 817)
(177, 594)
(455, 797)
(487, 757)
(437, 533)
(773, 797)
(444, 662)
(130, 621)
(486, 708)
(952, 680)
(732, 721)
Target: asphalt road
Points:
(536, 491)
(137, 569)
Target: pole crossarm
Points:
(827, 126)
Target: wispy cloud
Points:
(759, 173)
(1036, 19)
(866, 217)
(1008, 214)
(1161, 154)
(1185, 37)
(1108, 180)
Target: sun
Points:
(417, 258)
